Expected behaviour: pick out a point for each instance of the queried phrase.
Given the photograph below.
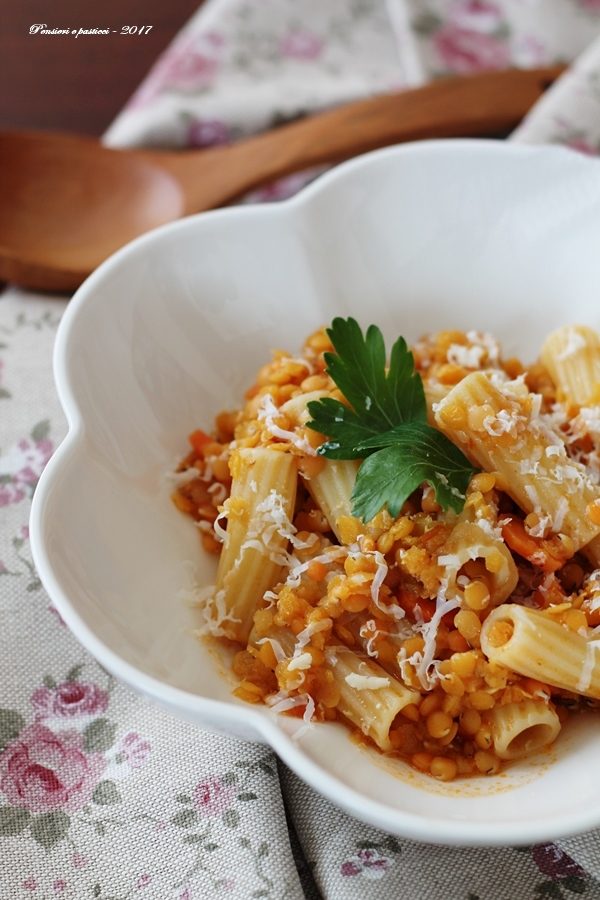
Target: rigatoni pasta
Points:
(263, 492)
(329, 482)
(456, 634)
(572, 356)
(530, 642)
(499, 426)
(331, 489)
(469, 544)
(519, 729)
(369, 696)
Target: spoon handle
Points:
(486, 105)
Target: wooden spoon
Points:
(68, 202)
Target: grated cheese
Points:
(541, 528)
(561, 512)
(302, 661)
(281, 702)
(536, 405)
(218, 492)
(368, 632)
(278, 650)
(300, 361)
(587, 667)
(538, 558)
(533, 498)
(271, 520)
(488, 343)
(512, 388)
(392, 609)
(214, 612)
(590, 591)
(504, 422)
(220, 532)
(304, 636)
(268, 412)
(296, 570)
(493, 531)
(179, 478)
(382, 570)
(424, 663)
(590, 417)
(575, 342)
(467, 357)
(529, 467)
(366, 682)
(271, 598)
(307, 717)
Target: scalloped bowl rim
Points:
(188, 704)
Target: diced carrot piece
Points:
(550, 593)
(199, 439)
(410, 602)
(537, 551)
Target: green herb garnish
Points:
(385, 425)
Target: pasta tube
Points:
(572, 356)
(434, 392)
(520, 729)
(498, 428)
(369, 697)
(263, 493)
(468, 541)
(296, 407)
(331, 489)
(531, 643)
(332, 482)
(361, 632)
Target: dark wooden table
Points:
(78, 84)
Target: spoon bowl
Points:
(69, 202)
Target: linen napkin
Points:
(103, 795)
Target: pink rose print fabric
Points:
(368, 863)
(299, 44)
(191, 63)
(212, 797)
(22, 464)
(463, 50)
(102, 795)
(134, 750)
(208, 133)
(42, 771)
(69, 700)
(569, 113)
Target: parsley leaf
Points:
(385, 425)
(381, 399)
(410, 455)
(344, 428)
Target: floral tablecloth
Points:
(103, 795)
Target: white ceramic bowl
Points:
(450, 234)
